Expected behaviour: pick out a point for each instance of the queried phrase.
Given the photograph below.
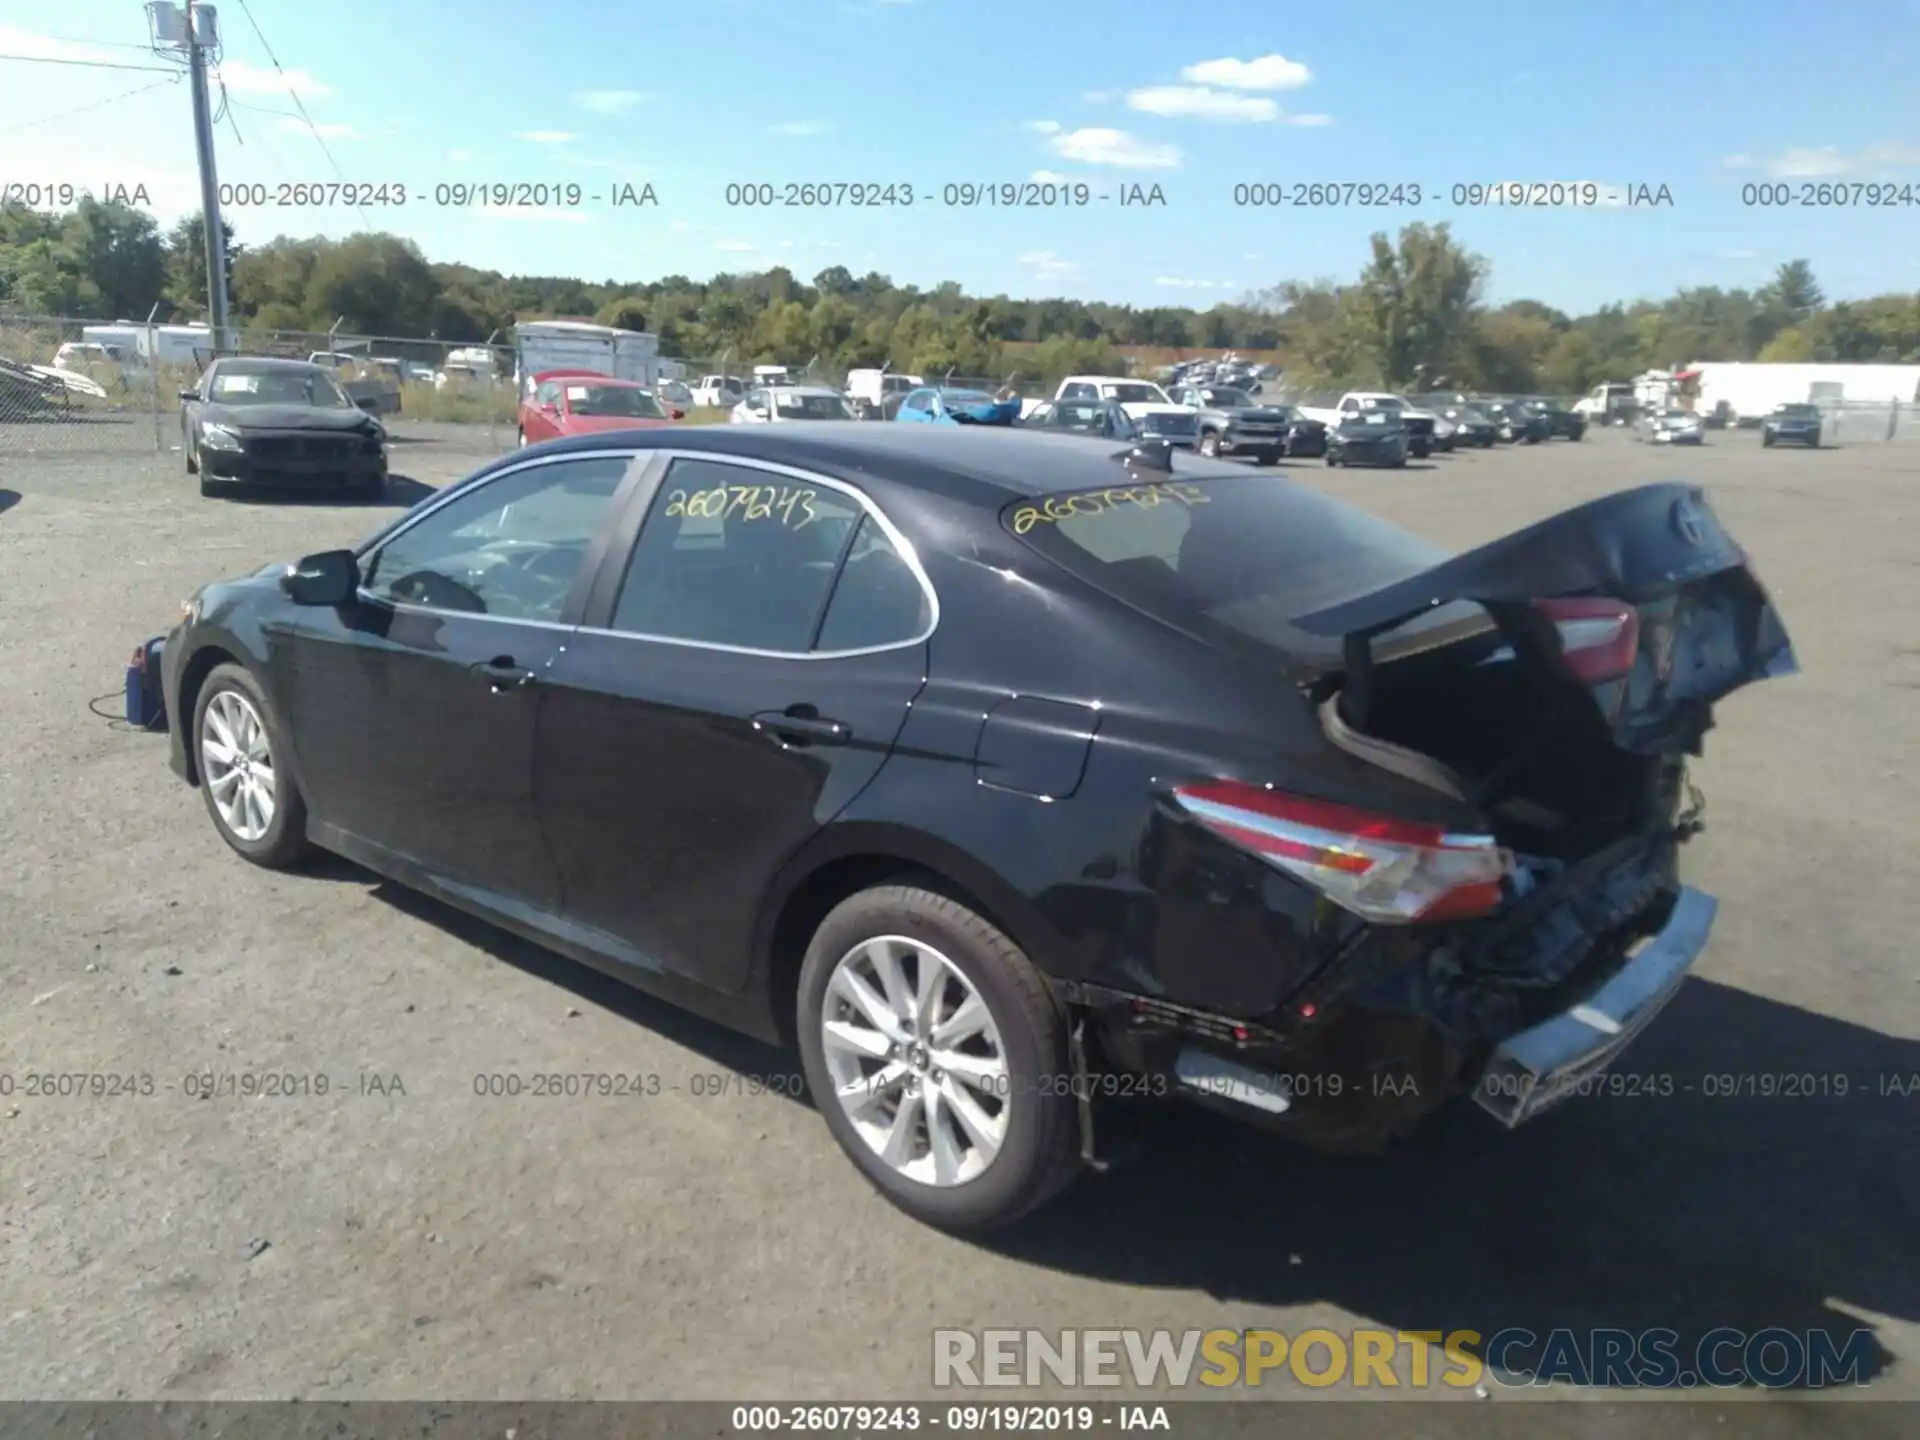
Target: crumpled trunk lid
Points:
(1706, 626)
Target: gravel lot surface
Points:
(711, 1241)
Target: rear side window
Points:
(878, 599)
(735, 556)
(1244, 553)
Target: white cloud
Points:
(1116, 148)
(1739, 254)
(736, 247)
(1097, 97)
(681, 225)
(1175, 283)
(323, 129)
(172, 191)
(1198, 102)
(1738, 162)
(1044, 127)
(460, 154)
(1049, 177)
(546, 137)
(537, 214)
(1269, 72)
(1825, 161)
(801, 127)
(608, 102)
(1251, 255)
(1309, 119)
(244, 79)
(1047, 264)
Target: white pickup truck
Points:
(1146, 404)
(1421, 424)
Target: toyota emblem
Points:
(1688, 522)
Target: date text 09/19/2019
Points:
(1054, 194)
(1469, 195)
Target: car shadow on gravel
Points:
(1700, 1210)
(8, 499)
(401, 493)
(758, 1066)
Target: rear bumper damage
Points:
(1534, 1070)
(1521, 1012)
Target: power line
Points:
(105, 44)
(294, 95)
(89, 64)
(97, 104)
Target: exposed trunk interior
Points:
(1525, 746)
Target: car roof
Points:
(984, 465)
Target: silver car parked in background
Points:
(1670, 427)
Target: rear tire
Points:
(1766, 442)
(1332, 459)
(1037, 1153)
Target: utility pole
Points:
(192, 30)
(216, 233)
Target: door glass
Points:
(512, 548)
(877, 600)
(735, 556)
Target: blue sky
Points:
(1701, 99)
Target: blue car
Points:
(936, 405)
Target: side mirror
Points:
(189, 394)
(331, 577)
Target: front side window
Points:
(623, 402)
(511, 548)
(735, 556)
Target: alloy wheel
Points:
(916, 1060)
(236, 765)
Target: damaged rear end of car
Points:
(1480, 877)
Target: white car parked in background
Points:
(791, 402)
(716, 390)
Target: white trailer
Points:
(578, 345)
(1751, 390)
(167, 344)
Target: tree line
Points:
(1416, 314)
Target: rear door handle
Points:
(801, 725)
(502, 674)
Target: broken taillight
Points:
(1383, 869)
(1599, 637)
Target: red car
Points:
(579, 402)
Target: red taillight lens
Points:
(1598, 637)
(1383, 869)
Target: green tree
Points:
(186, 264)
(626, 312)
(1414, 304)
(1795, 291)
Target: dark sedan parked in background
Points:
(1370, 437)
(1792, 425)
(279, 422)
(1472, 425)
(1515, 421)
(1562, 423)
(993, 766)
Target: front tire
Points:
(193, 455)
(1332, 459)
(239, 752)
(1210, 446)
(933, 1051)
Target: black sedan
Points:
(1562, 423)
(279, 422)
(1017, 780)
(1792, 425)
(1471, 425)
(1369, 437)
(1515, 421)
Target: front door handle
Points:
(502, 674)
(801, 725)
